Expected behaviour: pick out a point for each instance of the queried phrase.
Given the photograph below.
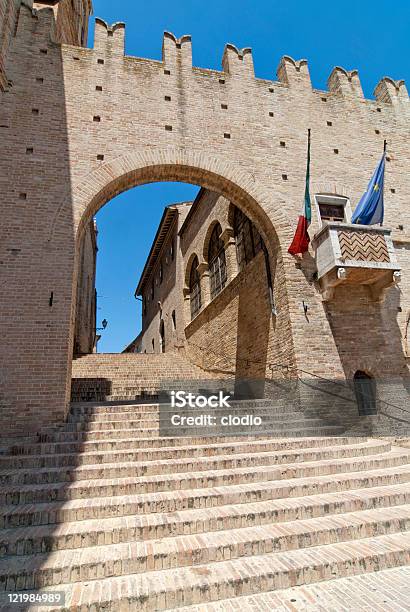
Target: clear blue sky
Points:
(370, 35)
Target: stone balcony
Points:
(353, 254)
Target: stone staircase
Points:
(129, 376)
(117, 517)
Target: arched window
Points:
(195, 288)
(216, 261)
(365, 391)
(162, 336)
(247, 237)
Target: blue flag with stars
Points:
(370, 209)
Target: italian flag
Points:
(301, 239)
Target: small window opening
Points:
(365, 391)
(332, 208)
(217, 262)
(194, 288)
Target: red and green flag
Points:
(301, 239)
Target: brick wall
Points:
(71, 20)
(236, 332)
(8, 17)
(85, 320)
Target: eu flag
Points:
(370, 209)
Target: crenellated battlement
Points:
(176, 51)
(390, 91)
(345, 82)
(294, 73)
(108, 39)
(109, 42)
(238, 62)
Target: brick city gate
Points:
(78, 126)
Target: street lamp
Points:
(104, 324)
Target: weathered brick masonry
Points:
(78, 126)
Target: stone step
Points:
(290, 432)
(52, 434)
(150, 449)
(139, 425)
(78, 437)
(120, 497)
(384, 591)
(143, 466)
(104, 561)
(139, 527)
(154, 416)
(104, 407)
(183, 586)
(198, 479)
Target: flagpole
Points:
(384, 153)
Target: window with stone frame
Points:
(216, 262)
(195, 288)
(247, 238)
(333, 208)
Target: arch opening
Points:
(238, 356)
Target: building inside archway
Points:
(205, 289)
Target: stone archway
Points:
(86, 195)
(174, 164)
(209, 172)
